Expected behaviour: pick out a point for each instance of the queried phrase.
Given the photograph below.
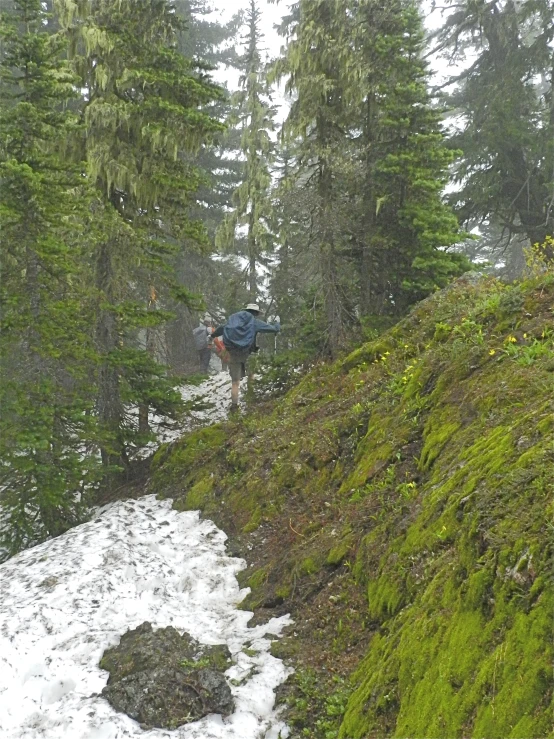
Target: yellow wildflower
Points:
(492, 352)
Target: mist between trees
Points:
(136, 194)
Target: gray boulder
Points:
(162, 679)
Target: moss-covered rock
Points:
(162, 679)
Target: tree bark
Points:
(328, 264)
(252, 277)
(373, 267)
(143, 424)
(109, 404)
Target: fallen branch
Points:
(293, 529)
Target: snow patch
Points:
(207, 403)
(64, 602)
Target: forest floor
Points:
(396, 504)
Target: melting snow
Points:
(208, 403)
(63, 602)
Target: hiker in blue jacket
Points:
(239, 337)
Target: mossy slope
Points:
(400, 504)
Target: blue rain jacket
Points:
(240, 330)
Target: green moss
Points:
(197, 497)
(285, 649)
(521, 679)
(368, 353)
(254, 522)
(199, 493)
(431, 471)
(173, 463)
(237, 461)
(339, 552)
(442, 332)
(258, 578)
(283, 592)
(373, 454)
(546, 425)
(439, 430)
(385, 596)
(309, 566)
(452, 666)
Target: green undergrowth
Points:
(399, 503)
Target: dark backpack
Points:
(200, 335)
(240, 331)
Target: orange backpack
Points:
(221, 350)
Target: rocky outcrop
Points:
(162, 679)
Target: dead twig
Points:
(295, 531)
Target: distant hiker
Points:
(202, 335)
(239, 338)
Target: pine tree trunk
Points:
(33, 292)
(109, 405)
(331, 292)
(366, 281)
(252, 277)
(143, 424)
(283, 302)
(372, 263)
(332, 301)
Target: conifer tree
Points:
(373, 156)
(144, 118)
(404, 226)
(292, 276)
(212, 43)
(504, 102)
(315, 71)
(252, 200)
(46, 352)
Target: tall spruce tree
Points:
(144, 117)
(46, 352)
(504, 102)
(213, 44)
(373, 156)
(403, 223)
(252, 201)
(314, 66)
(293, 279)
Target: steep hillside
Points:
(399, 504)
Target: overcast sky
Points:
(271, 16)
(273, 12)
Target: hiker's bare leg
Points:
(235, 392)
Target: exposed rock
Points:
(163, 679)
